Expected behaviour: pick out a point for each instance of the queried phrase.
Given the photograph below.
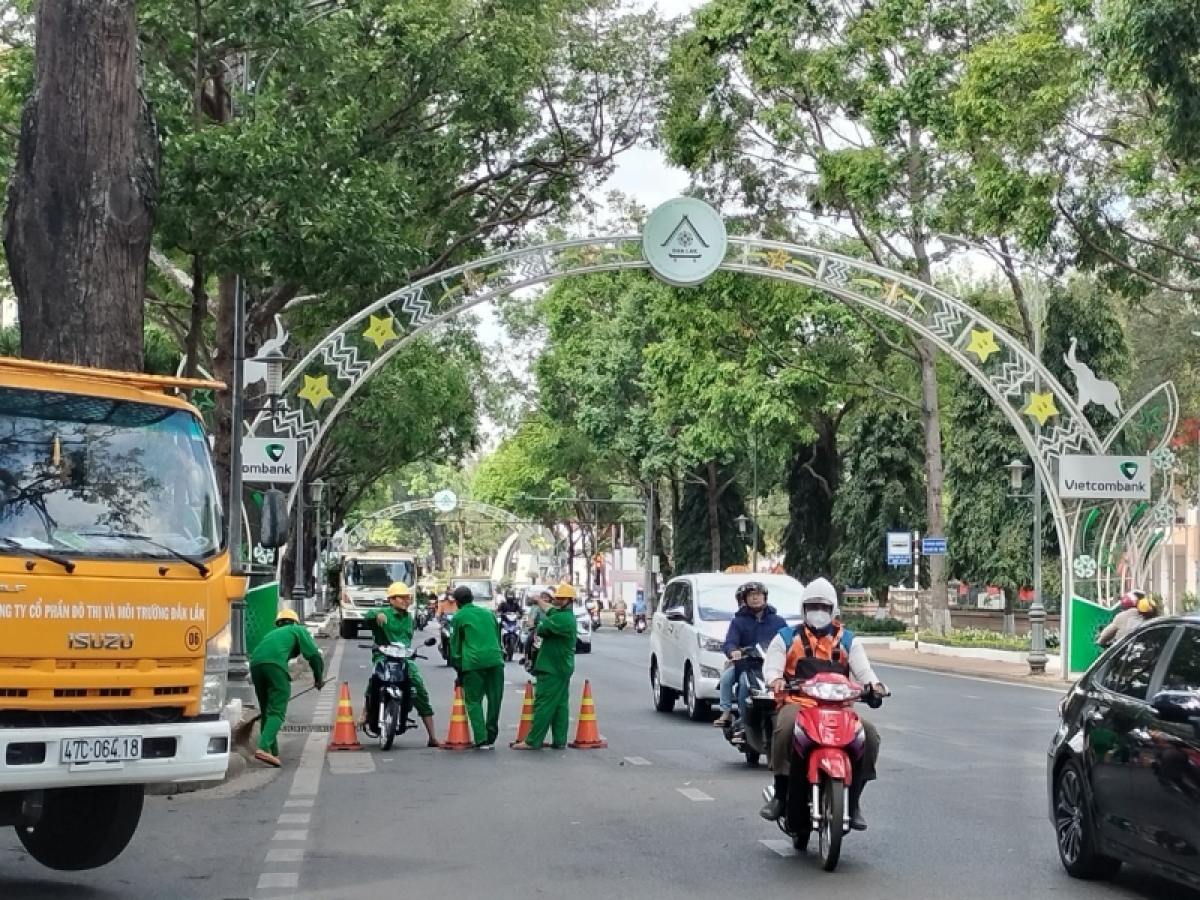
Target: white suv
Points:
(687, 636)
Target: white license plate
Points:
(102, 749)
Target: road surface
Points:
(667, 811)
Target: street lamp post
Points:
(1037, 611)
(298, 580)
(318, 489)
(239, 666)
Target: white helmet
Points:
(819, 604)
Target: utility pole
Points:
(239, 687)
(648, 563)
(754, 546)
(298, 579)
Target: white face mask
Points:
(818, 618)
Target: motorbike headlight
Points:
(216, 672)
(712, 645)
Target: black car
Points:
(1124, 767)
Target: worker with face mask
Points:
(554, 667)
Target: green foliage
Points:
(869, 625)
(809, 539)
(881, 491)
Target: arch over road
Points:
(319, 387)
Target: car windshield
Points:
(718, 604)
(379, 573)
(76, 471)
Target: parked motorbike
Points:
(421, 618)
(639, 623)
(621, 621)
(510, 634)
(389, 697)
(827, 738)
(446, 623)
(752, 737)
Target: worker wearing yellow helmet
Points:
(1133, 617)
(394, 625)
(553, 669)
(273, 684)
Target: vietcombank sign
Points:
(270, 460)
(1104, 477)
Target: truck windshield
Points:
(77, 471)
(380, 573)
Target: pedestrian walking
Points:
(476, 654)
(273, 684)
(553, 668)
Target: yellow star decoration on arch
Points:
(983, 344)
(316, 390)
(382, 331)
(778, 259)
(1041, 407)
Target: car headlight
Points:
(216, 671)
(709, 672)
(712, 645)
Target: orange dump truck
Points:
(115, 589)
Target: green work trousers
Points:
(419, 692)
(479, 685)
(273, 688)
(551, 709)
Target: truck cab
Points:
(115, 587)
(366, 575)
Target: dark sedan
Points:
(1124, 767)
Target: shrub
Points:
(867, 625)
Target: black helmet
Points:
(750, 587)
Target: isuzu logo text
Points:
(88, 640)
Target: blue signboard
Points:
(933, 546)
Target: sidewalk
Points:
(976, 668)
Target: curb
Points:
(1022, 680)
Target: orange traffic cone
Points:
(459, 737)
(345, 732)
(526, 714)
(587, 735)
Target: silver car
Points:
(583, 622)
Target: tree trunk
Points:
(935, 614)
(714, 513)
(82, 194)
(665, 560)
(223, 371)
(437, 543)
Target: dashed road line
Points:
(286, 854)
(783, 848)
(297, 804)
(300, 834)
(294, 818)
(693, 794)
(638, 761)
(276, 880)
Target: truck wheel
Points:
(84, 828)
(348, 630)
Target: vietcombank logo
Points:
(1129, 483)
(274, 453)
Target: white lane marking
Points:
(285, 855)
(294, 818)
(783, 848)
(1045, 709)
(278, 880)
(693, 794)
(294, 804)
(991, 681)
(914, 687)
(971, 697)
(637, 761)
(296, 835)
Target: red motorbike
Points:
(828, 739)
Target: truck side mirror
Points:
(273, 525)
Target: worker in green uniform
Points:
(394, 625)
(476, 654)
(273, 684)
(554, 666)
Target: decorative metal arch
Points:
(319, 387)
(356, 532)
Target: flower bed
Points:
(983, 639)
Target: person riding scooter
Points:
(819, 644)
(639, 612)
(754, 624)
(1138, 609)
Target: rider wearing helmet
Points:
(820, 644)
(273, 684)
(394, 625)
(1136, 610)
(754, 624)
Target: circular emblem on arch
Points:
(684, 241)
(445, 501)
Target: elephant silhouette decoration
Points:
(1091, 389)
(254, 371)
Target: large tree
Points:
(82, 194)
